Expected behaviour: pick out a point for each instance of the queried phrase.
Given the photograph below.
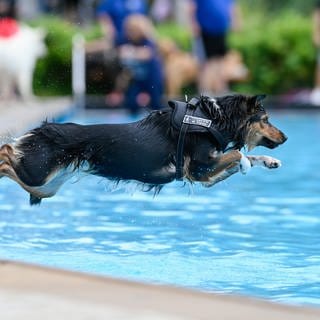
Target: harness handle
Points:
(191, 107)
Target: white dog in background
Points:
(18, 57)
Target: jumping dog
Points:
(197, 141)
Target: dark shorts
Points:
(214, 45)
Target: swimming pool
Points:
(256, 235)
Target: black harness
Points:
(187, 117)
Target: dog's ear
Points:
(259, 98)
(254, 103)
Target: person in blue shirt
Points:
(211, 22)
(112, 13)
(139, 54)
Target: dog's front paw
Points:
(245, 164)
(265, 161)
(270, 163)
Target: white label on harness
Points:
(197, 121)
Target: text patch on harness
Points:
(197, 121)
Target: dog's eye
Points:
(265, 120)
(259, 108)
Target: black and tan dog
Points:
(199, 141)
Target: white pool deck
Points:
(17, 116)
(30, 292)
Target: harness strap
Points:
(218, 136)
(192, 123)
(191, 107)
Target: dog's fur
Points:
(144, 151)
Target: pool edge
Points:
(32, 291)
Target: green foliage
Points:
(180, 35)
(277, 48)
(274, 6)
(53, 72)
(278, 52)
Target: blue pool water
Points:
(256, 235)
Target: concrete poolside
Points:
(18, 116)
(33, 292)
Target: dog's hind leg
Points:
(6, 152)
(6, 158)
(7, 171)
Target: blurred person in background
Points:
(79, 11)
(162, 10)
(139, 54)
(211, 21)
(111, 16)
(51, 6)
(112, 13)
(315, 94)
(8, 9)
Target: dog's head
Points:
(258, 130)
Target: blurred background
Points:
(272, 50)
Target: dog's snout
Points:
(284, 138)
(280, 137)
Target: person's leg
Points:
(131, 95)
(317, 73)
(155, 90)
(315, 93)
(212, 77)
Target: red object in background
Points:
(8, 27)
